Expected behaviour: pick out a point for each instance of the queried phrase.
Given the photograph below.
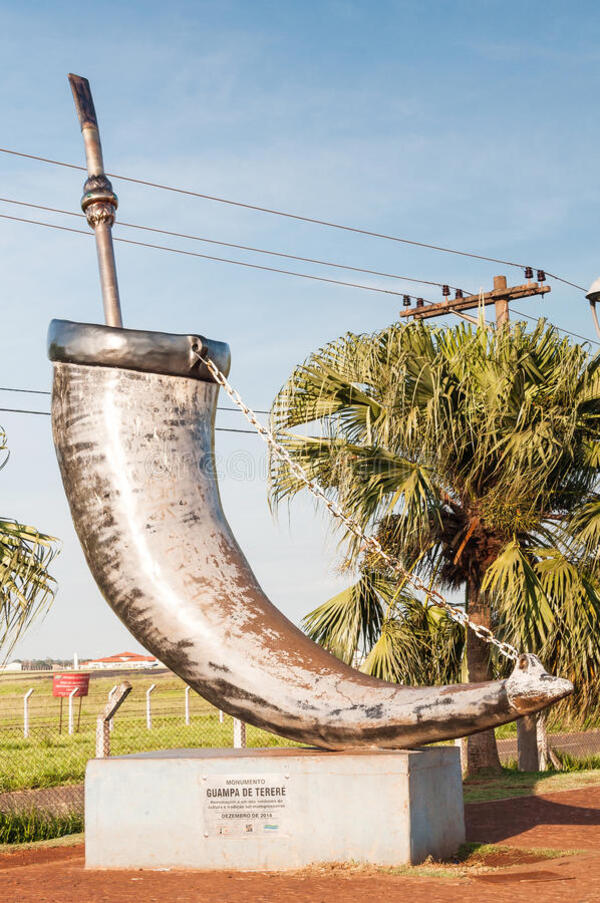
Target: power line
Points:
(31, 391)
(294, 216)
(46, 392)
(229, 244)
(240, 263)
(256, 266)
(575, 335)
(218, 429)
(23, 411)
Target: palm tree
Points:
(475, 459)
(26, 587)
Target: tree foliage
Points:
(26, 587)
(475, 458)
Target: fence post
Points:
(110, 696)
(102, 729)
(239, 734)
(187, 705)
(220, 717)
(71, 695)
(26, 713)
(149, 707)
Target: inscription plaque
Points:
(241, 806)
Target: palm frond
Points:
(26, 587)
(351, 620)
(476, 454)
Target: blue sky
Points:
(465, 124)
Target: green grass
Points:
(474, 851)
(66, 840)
(50, 760)
(44, 710)
(474, 857)
(27, 827)
(511, 782)
(578, 763)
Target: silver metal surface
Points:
(99, 202)
(136, 453)
(157, 352)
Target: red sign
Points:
(64, 684)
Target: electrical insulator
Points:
(541, 276)
(445, 291)
(420, 302)
(406, 300)
(528, 273)
(458, 293)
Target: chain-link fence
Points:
(45, 741)
(580, 748)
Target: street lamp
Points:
(593, 295)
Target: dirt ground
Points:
(566, 821)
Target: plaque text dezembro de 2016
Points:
(241, 806)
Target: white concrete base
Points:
(272, 808)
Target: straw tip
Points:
(82, 96)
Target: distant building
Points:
(13, 666)
(125, 660)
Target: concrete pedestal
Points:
(272, 808)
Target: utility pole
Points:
(500, 296)
(533, 749)
(501, 304)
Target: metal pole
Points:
(26, 713)
(110, 696)
(187, 705)
(102, 731)
(220, 717)
(99, 202)
(595, 316)
(71, 723)
(149, 707)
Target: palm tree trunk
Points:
(482, 751)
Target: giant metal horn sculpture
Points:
(133, 420)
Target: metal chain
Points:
(457, 614)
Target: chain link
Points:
(457, 614)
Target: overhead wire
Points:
(23, 411)
(230, 244)
(241, 263)
(288, 215)
(256, 266)
(273, 253)
(219, 429)
(47, 392)
(575, 335)
(30, 391)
